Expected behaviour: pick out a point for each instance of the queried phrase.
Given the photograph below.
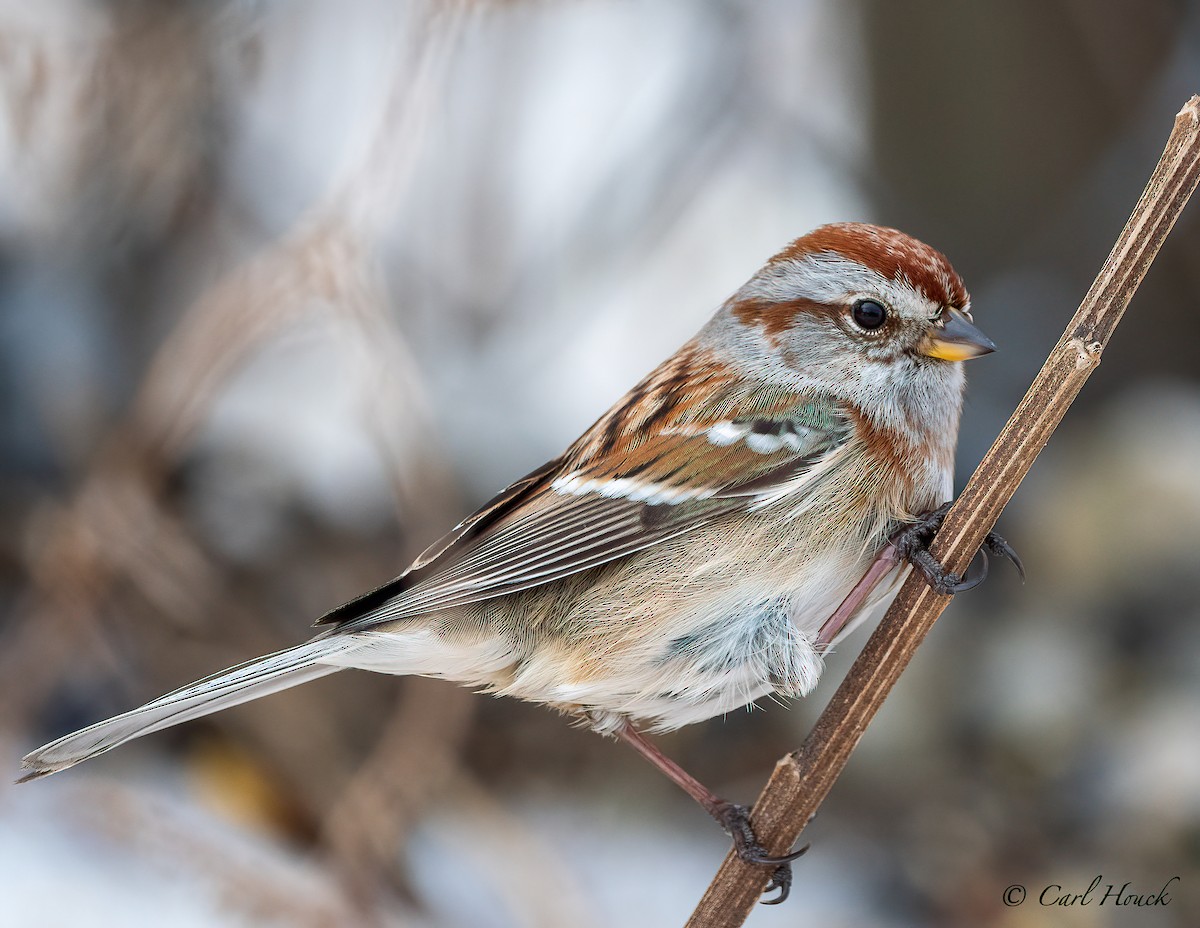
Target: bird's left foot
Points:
(912, 544)
(735, 819)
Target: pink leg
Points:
(733, 818)
(884, 562)
(713, 804)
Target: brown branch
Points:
(801, 780)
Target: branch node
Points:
(1191, 110)
(1087, 353)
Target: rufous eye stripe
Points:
(838, 263)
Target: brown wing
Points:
(575, 514)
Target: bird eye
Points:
(869, 314)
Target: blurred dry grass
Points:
(288, 286)
(117, 572)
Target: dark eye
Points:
(869, 314)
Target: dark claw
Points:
(912, 543)
(781, 880)
(1001, 548)
(968, 582)
(736, 820)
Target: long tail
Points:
(239, 684)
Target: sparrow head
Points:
(863, 312)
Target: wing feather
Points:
(580, 512)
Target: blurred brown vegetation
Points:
(286, 288)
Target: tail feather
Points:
(239, 684)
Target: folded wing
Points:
(597, 504)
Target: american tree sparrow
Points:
(702, 544)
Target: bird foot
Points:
(912, 544)
(735, 819)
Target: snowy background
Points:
(287, 288)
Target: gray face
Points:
(854, 310)
(811, 337)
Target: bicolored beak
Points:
(956, 339)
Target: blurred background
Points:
(287, 288)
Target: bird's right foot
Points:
(735, 819)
